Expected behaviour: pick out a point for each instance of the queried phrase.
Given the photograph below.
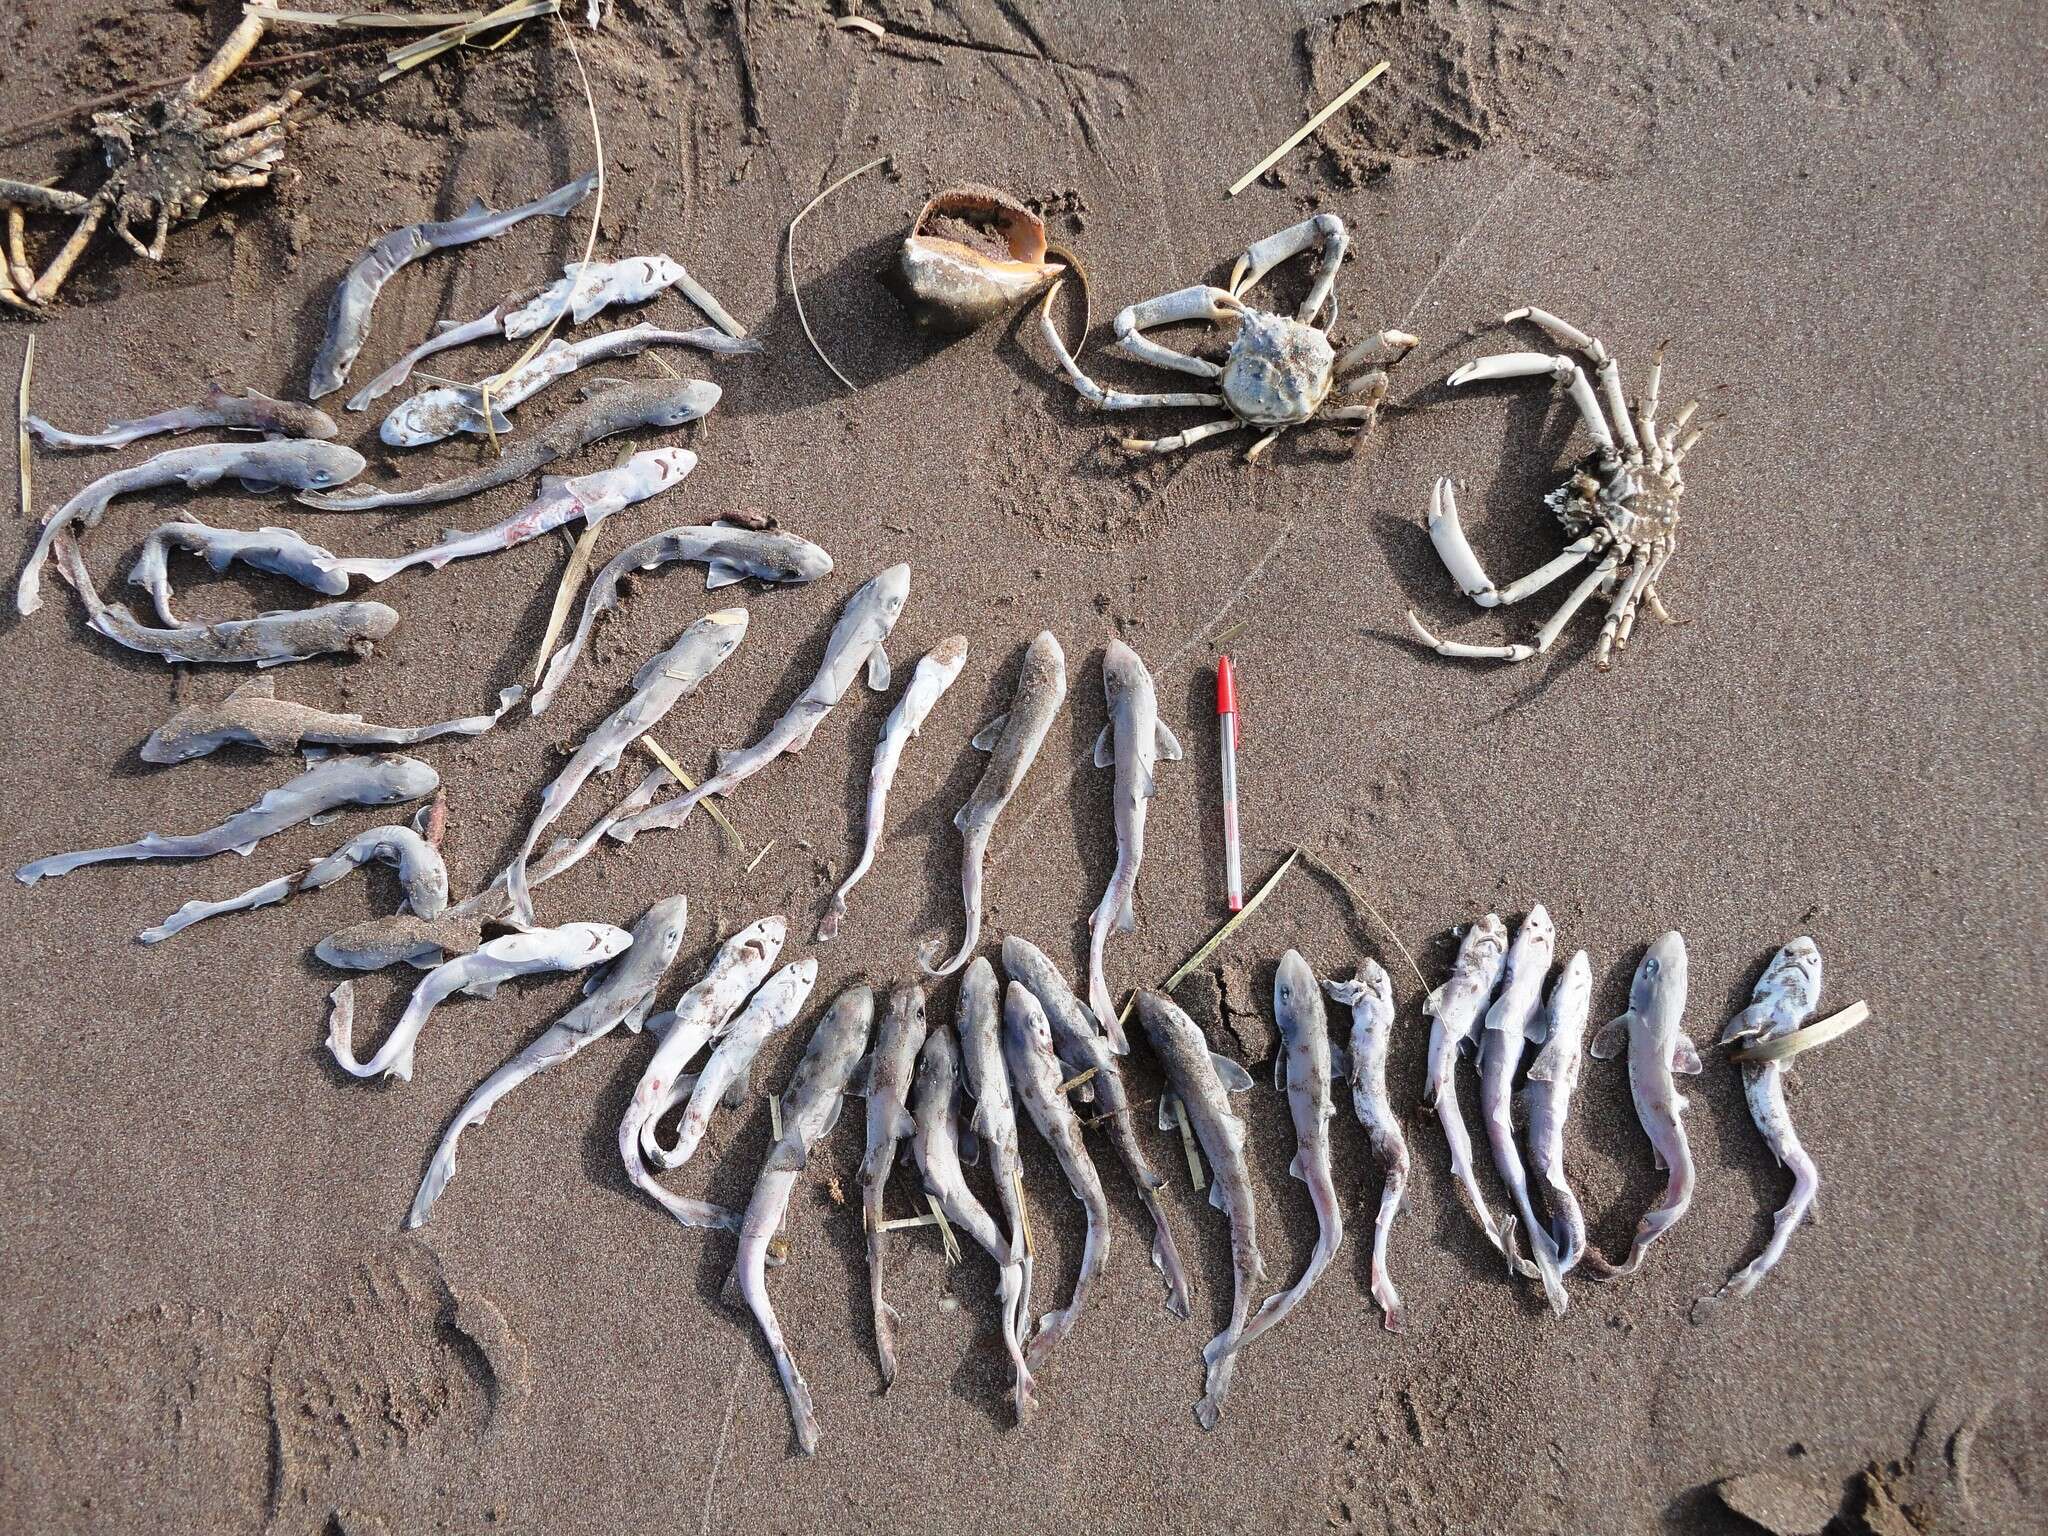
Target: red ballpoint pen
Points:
(1226, 711)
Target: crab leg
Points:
(1455, 550)
(1593, 347)
(262, 117)
(1198, 303)
(1094, 393)
(1623, 605)
(1524, 365)
(228, 58)
(1383, 348)
(1628, 619)
(26, 194)
(67, 256)
(1546, 637)
(22, 275)
(1325, 231)
(1649, 405)
(1373, 382)
(1185, 439)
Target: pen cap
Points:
(1226, 687)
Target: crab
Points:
(165, 160)
(1279, 373)
(1619, 506)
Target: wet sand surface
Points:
(213, 1320)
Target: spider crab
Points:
(1279, 373)
(1619, 506)
(164, 160)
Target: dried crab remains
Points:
(164, 160)
(1619, 506)
(1279, 373)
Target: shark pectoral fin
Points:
(1612, 1039)
(1295, 1168)
(832, 1117)
(722, 758)
(661, 1024)
(255, 688)
(904, 1127)
(325, 818)
(738, 1090)
(1340, 1063)
(1537, 1030)
(1429, 1003)
(985, 739)
(485, 987)
(1746, 1023)
(1167, 1103)
(1231, 1074)
(878, 669)
(1280, 1070)
(1167, 744)
(1105, 749)
(1126, 916)
(722, 573)
(862, 1082)
(1685, 1057)
(1216, 1196)
(1657, 1158)
(1544, 1068)
(969, 1145)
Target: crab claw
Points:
(1508, 365)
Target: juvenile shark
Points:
(856, 645)
(1201, 1083)
(992, 1128)
(1657, 1049)
(1514, 1019)
(622, 993)
(1455, 1009)
(890, 1071)
(1304, 1067)
(1083, 1049)
(421, 874)
(280, 551)
(1012, 741)
(386, 779)
(1370, 997)
(1553, 1077)
(810, 1108)
(571, 947)
(935, 1143)
(732, 554)
(241, 410)
(934, 675)
(658, 687)
(1785, 997)
(253, 715)
(1132, 743)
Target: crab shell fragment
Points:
(951, 287)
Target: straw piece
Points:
(1023, 1210)
(1785, 1047)
(945, 1230)
(28, 368)
(775, 1116)
(675, 770)
(789, 259)
(1194, 961)
(565, 594)
(902, 1222)
(1308, 128)
(762, 854)
(1187, 1141)
(859, 24)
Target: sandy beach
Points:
(214, 1321)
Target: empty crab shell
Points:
(972, 253)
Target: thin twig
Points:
(1308, 128)
(762, 854)
(1023, 1210)
(1078, 1079)
(789, 256)
(1370, 911)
